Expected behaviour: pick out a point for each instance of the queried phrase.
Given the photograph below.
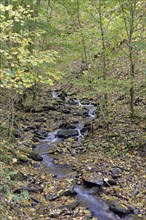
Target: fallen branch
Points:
(29, 189)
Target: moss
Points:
(5, 158)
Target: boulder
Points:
(72, 102)
(66, 111)
(117, 208)
(48, 108)
(60, 187)
(66, 133)
(92, 178)
(40, 134)
(67, 126)
(34, 156)
(62, 96)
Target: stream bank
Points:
(52, 148)
(98, 208)
(79, 175)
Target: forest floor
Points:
(114, 149)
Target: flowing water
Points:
(95, 204)
(79, 127)
(54, 95)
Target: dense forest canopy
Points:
(106, 35)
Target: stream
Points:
(95, 204)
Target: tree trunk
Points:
(103, 51)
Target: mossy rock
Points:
(22, 157)
(19, 176)
(35, 156)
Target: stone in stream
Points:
(96, 205)
(72, 102)
(67, 126)
(66, 133)
(33, 155)
(93, 178)
(133, 217)
(60, 187)
(94, 190)
(62, 95)
(81, 112)
(117, 208)
(40, 134)
(36, 139)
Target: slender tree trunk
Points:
(129, 27)
(104, 71)
(83, 38)
(131, 53)
(132, 73)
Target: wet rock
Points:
(92, 178)
(118, 208)
(85, 129)
(66, 133)
(85, 101)
(88, 125)
(36, 165)
(82, 112)
(72, 102)
(48, 108)
(69, 146)
(66, 111)
(67, 126)
(57, 124)
(35, 156)
(133, 217)
(94, 190)
(40, 134)
(40, 120)
(55, 150)
(61, 187)
(58, 103)
(36, 139)
(62, 96)
(22, 158)
(28, 128)
(86, 114)
(34, 146)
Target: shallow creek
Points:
(95, 204)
